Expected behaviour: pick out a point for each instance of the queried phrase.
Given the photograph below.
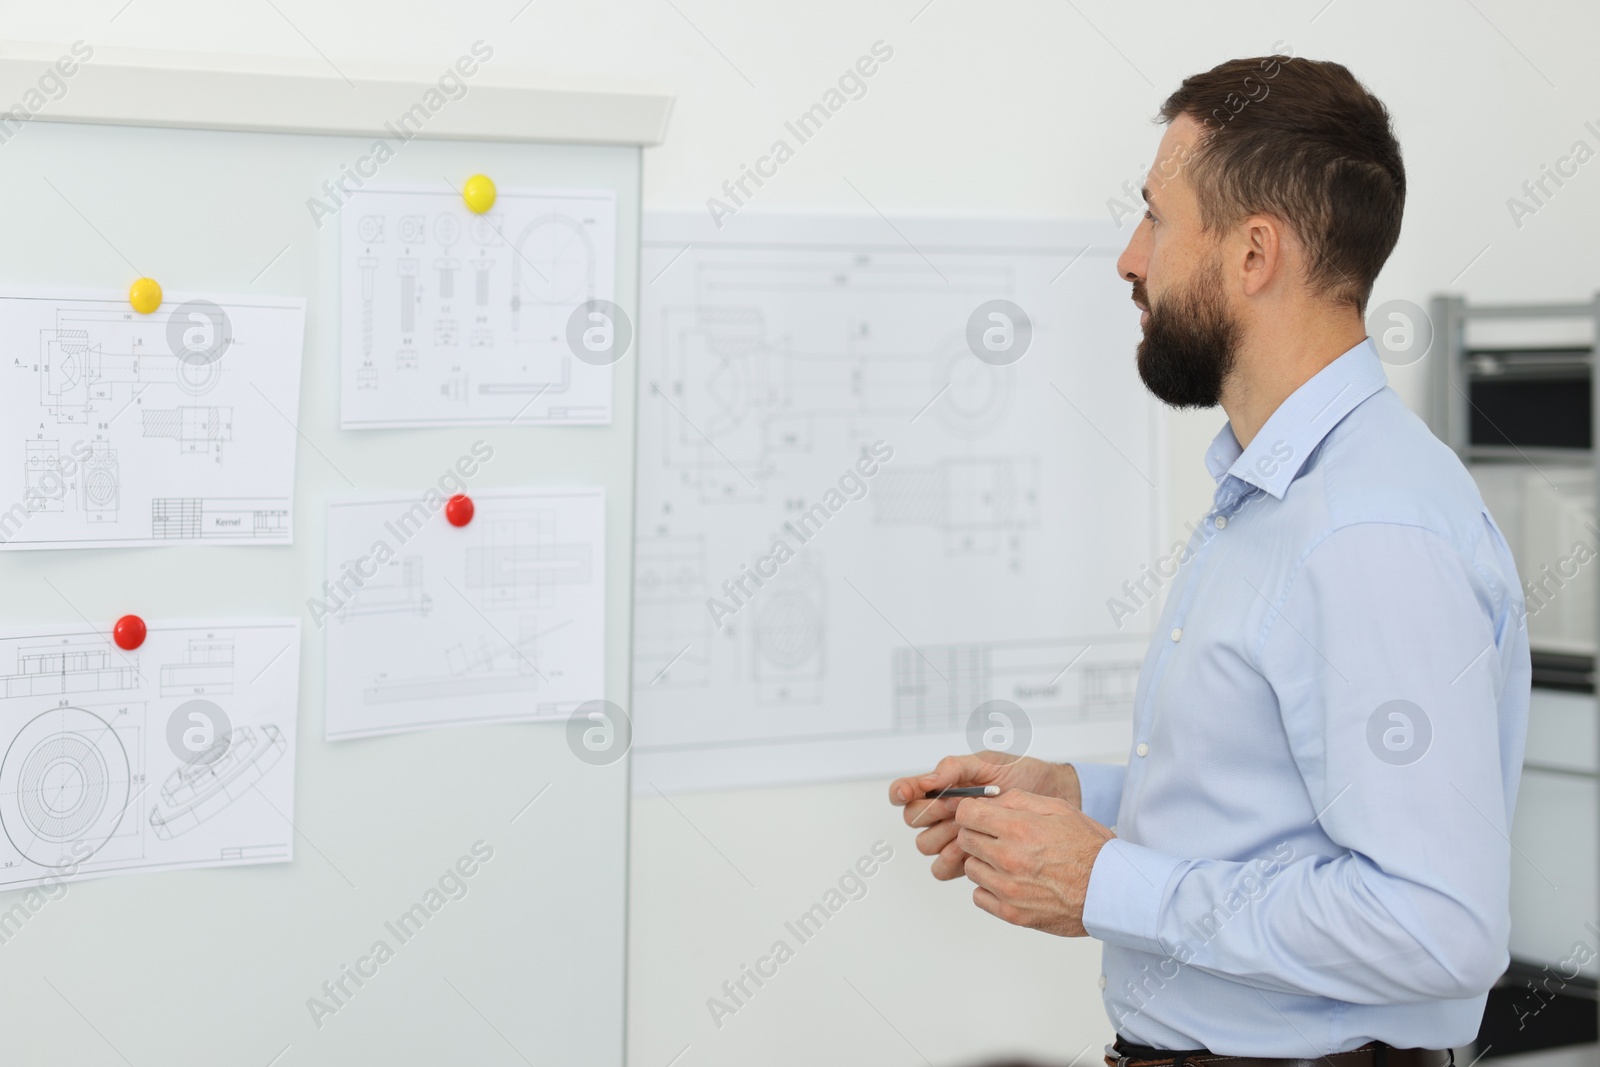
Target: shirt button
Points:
(1221, 522)
(1177, 633)
(1102, 981)
(1143, 749)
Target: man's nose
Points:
(1129, 264)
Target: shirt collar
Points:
(1292, 433)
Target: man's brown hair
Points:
(1303, 141)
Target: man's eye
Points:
(1149, 216)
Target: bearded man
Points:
(1306, 857)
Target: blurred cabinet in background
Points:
(1514, 393)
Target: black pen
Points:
(965, 791)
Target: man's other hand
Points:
(1030, 857)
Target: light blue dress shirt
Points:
(1312, 845)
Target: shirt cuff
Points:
(1127, 888)
(1101, 784)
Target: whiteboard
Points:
(218, 965)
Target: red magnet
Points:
(458, 509)
(129, 632)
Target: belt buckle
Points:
(1115, 1058)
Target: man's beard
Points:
(1188, 347)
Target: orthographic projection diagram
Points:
(92, 357)
(751, 391)
(501, 620)
(452, 318)
(856, 522)
(974, 502)
(106, 770)
(396, 589)
(206, 669)
(196, 429)
(130, 424)
(515, 568)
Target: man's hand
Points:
(937, 817)
(1030, 857)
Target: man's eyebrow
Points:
(1144, 191)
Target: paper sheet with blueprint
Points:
(429, 624)
(857, 522)
(451, 319)
(178, 754)
(126, 429)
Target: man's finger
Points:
(903, 791)
(920, 813)
(990, 877)
(988, 902)
(981, 846)
(931, 841)
(950, 771)
(914, 787)
(987, 816)
(962, 770)
(1034, 804)
(950, 864)
(1018, 800)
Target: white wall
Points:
(1026, 108)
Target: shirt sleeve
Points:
(1388, 655)
(1101, 785)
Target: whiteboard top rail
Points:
(269, 94)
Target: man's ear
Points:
(1263, 248)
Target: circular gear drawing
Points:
(64, 780)
(446, 230)
(977, 394)
(789, 629)
(100, 487)
(485, 229)
(559, 257)
(198, 378)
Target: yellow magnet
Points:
(145, 295)
(478, 193)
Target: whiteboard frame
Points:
(263, 94)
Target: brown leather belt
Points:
(1372, 1054)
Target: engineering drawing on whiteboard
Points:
(171, 757)
(854, 530)
(430, 624)
(452, 318)
(130, 429)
